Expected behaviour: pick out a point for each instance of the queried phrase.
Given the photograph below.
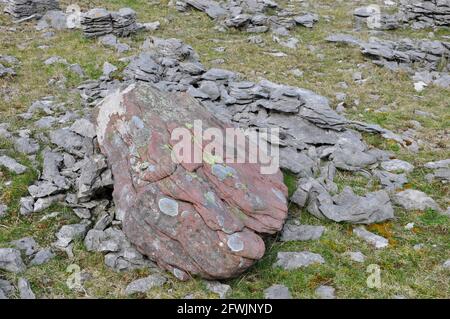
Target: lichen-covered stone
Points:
(192, 219)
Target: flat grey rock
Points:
(325, 292)
(42, 256)
(53, 19)
(145, 284)
(26, 145)
(26, 205)
(412, 199)
(84, 128)
(11, 260)
(348, 207)
(343, 38)
(7, 288)
(69, 233)
(397, 165)
(277, 292)
(438, 164)
(293, 232)
(390, 181)
(108, 68)
(222, 290)
(371, 238)
(295, 260)
(356, 256)
(24, 287)
(110, 240)
(27, 245)
(12, 165)
(43, 189)
(45, 202)
(20, 9)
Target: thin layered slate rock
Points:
(253, 16)
(192, 219)
(25, 8)
(425, 13)
(98, 22)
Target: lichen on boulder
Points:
(202, 218)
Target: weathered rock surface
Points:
(145, 284)
(25, 8)
(250, 15)
(42, 257)
(425, 13)
(425, 60)
(347, 206)
(325, 292)
(99, 22)
(301, 232)
(10, 260)
(371, 238)
(190, 218)
(24, 287)
(277, 292)
(222, 290)
(412, 199)
(294, 260)
(355, 256)
(12, 165)
(27, 245)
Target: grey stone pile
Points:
(99, 22)
(250, 15)
(20, 9)
(426, 60)
(441, 171)
(7, 64)
(375, 19)
(425, 13)
(75, 174)
(315, 140)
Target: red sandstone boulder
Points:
(191, 218)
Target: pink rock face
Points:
(191, 218)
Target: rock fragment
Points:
(11, 260)
(371, 238)
(277, 292)
(294, 260)
(12, 165)
(143, 285)
(412, 199)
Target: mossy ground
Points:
(404, 271)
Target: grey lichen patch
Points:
(222, 172)
(279, 194)
(256, 201)
(210, 198)
(138, 130)
(235, 242)
(168, 206)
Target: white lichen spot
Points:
(279, 194)
(235, 242)
(168, 206)
(178, 273)
(185, 213)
